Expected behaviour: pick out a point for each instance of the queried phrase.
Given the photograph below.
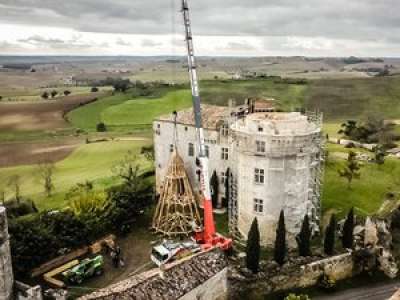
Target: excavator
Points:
(206, 236)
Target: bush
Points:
(45, 95)
(327, 283)
(21, 207)
(32, 244)
(66, 93)
(127, 202)
(101, 127)
(94, 89)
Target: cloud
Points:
(122, 42)
(150, 43)
(309, 25)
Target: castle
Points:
(275, 160)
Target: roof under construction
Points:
(211, 114)
(177, 210)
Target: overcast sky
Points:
(221, 27)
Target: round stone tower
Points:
(6, 273)
(278, 156)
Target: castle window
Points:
(225, 130)
(186, 129)
(260, 146)
(224, 153)
(207, 150)
(223, 177)
(191, 149)
(171, 148)
(258, 205)
(259, 175)
(260, 129)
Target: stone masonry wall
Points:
(293, 275)
(6, 274)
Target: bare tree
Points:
(46, 171)
(15, 183)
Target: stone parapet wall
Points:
(297, 274)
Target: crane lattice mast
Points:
(209, 227)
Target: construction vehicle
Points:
(169, 251)
(206, 236)
(87, 268)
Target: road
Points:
(372, 292)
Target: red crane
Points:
(207, 236)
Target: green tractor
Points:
(87, 268)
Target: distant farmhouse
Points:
(274, 158)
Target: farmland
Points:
(131, 114)
(91, 162)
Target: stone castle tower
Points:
(6, 273)
(275, 162)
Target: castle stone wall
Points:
(6, 273)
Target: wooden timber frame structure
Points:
(177, 211)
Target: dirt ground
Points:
(43, 115)
(16, 154)
(136, 249)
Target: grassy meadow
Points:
(91, 162)
(366, 194)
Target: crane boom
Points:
(209, 227)
(208, 236)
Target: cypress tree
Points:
(253, 248)
(304, 238)
(214, 183)
(227, 187)
(348, 228)
(329, 241)
(280, 241)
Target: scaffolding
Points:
(177, 211)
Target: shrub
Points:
(45, 95)
(101, 127)
(327, 283)
(66, 93)
(94, 89)
(54, 93)
(127, 202)
(21, 207)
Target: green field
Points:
(91, 162)
(366, 194)
(129, 112)
(142, 111)
(355, 98)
